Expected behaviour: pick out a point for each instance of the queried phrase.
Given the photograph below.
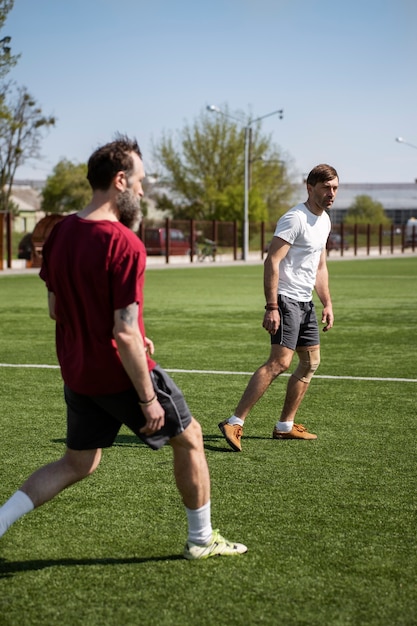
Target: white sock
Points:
(15, 507)
(284, 427)
(199, 524)
(235, 420)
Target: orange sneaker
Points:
(233, 434)
(298, 431)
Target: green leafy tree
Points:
(22, 124)
(203, 171)
(67, 190)
(365, 210)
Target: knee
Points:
(82, 463)
(194, 432)
(191, 438)
(309, 361)
(277, 367)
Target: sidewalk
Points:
(176, 262)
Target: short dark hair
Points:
(321, 174)
(109, 159)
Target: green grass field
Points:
(330, 524)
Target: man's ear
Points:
(120, 181)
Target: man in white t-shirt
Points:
(295, 265)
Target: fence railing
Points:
(193, 238)
(197, 240)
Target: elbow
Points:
(121, 338)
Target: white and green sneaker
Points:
(219, 546)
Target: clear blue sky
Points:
(344, 71)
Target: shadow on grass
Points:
(121, 440)
(8, 568)
(209, 442)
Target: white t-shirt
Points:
(307, 233)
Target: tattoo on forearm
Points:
(128, 315)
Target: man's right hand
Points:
(271, 321)
(155, 418)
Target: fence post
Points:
(167, 238)
(192, 239)
(141, 231)
(1, 239)
(234, 240)
(9, 238)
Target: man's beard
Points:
(128, 206)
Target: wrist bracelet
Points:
(271, 307)
(149, 402)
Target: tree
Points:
(22, 124)
(365, 210)
(7, 60)
(67, 190)
(203, 171)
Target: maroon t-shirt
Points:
(93, 268)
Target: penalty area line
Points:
(222, 373)
(227, 373)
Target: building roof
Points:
(27, 198)
(390, 195)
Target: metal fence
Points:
(213, 240)
(194, 241)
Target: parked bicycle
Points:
(208, 250)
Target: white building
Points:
(398, 199)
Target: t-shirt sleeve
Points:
(288, 227)
(126, 279)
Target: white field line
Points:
(225, 373)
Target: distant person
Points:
(93, 267)
(294, 266)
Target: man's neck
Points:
(99, 209)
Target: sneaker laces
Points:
(301, 428)
(238, 430)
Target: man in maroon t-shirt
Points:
(93, 267)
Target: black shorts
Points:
(94, 421)
(299, 326)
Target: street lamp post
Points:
(248, 137)
(407, 143)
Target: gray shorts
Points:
(94, 421)
(299, 326)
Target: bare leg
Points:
(296, 390)
(279, 361)
(53, 478)
(190, 467)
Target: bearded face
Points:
(128, 206)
